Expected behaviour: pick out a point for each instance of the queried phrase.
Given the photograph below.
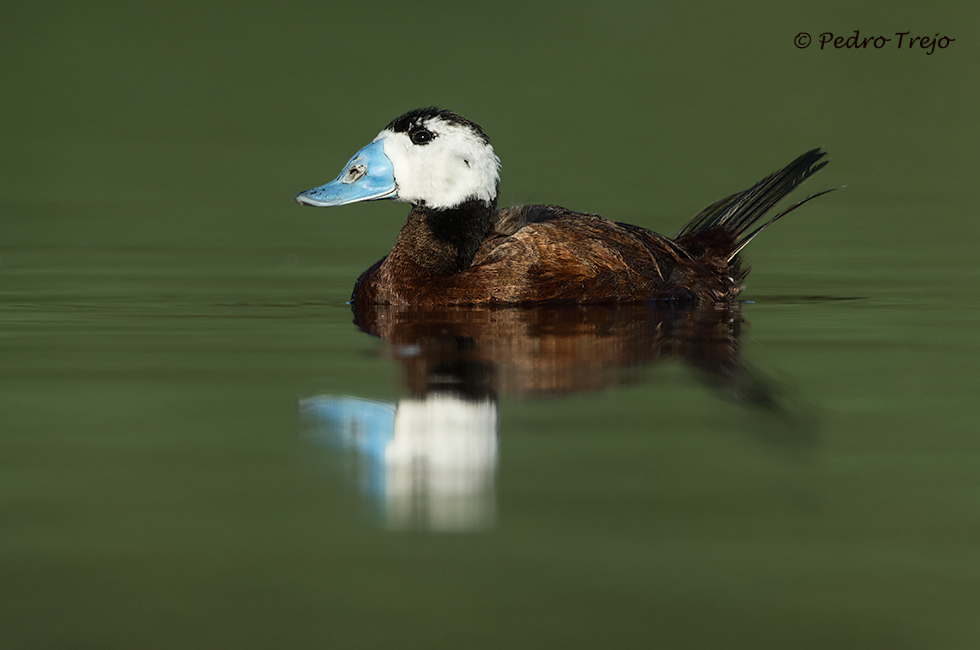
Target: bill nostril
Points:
(354, 172)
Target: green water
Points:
(165, 310)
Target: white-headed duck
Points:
(457, 248)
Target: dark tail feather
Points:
(730, 219)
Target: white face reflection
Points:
(440, 464)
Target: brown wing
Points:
(544, 253)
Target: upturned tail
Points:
(724, 228)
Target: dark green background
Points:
(164, 304)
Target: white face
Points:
(451, 167)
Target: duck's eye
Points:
(422, 136)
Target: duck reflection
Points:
(429, 461)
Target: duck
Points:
(458, 248)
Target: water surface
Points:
(167, 314)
